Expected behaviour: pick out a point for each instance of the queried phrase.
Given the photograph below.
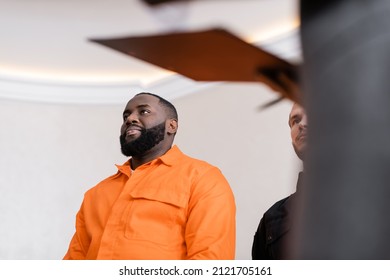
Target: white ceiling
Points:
(44, 43)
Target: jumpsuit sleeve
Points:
(80, 241)
(211, 226)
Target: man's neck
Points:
(137, 161)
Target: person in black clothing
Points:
(274, 231)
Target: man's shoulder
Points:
(278, 207)
(198, 170)
(194, 161)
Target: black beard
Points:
(146, 141)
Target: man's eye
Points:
(294, 121)
(143, 112)
(125, 117)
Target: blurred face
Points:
(143, 128)
(298, 125)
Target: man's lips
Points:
(301, 137)
(132, 130)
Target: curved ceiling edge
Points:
(94, 92)
(171, 87)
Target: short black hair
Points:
(168, 106)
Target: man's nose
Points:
(303, 122)
(132, 118)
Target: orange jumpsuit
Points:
(174, 207)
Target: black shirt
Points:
(273, 234)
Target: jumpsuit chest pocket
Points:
(157, 215)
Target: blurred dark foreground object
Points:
(346, 208)
(210, 55)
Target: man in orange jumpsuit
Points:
(161, 204)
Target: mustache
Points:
(132, 126)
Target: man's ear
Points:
(172, 126)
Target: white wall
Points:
(51, 154)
